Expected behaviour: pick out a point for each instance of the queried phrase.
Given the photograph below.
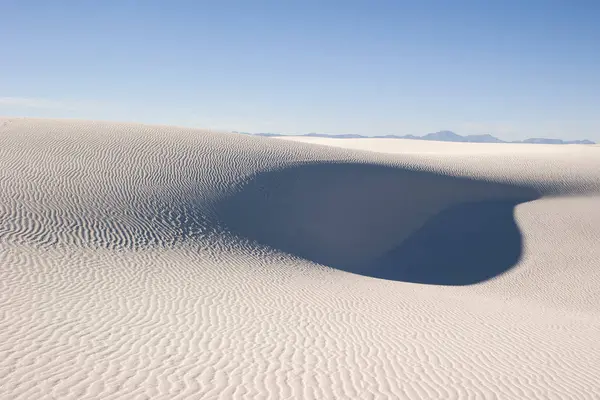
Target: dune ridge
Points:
(145, 261)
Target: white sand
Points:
(158, 262)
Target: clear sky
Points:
(514, 69)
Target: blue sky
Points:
(514, 69)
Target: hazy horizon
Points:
(503, 68)
(416, 135)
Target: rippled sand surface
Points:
(159, 262)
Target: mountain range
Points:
(442, 136)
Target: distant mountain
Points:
(396, 137)
(482, 139)
(555, 141)
(441, 136)
(584, 141)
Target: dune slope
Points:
(161, 262)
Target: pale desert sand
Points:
(169, 263)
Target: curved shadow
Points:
(384, 222)
(465, 244)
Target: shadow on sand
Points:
(384, 222)
(464, 244)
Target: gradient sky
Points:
(514, 69)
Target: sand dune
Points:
(161, 262)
